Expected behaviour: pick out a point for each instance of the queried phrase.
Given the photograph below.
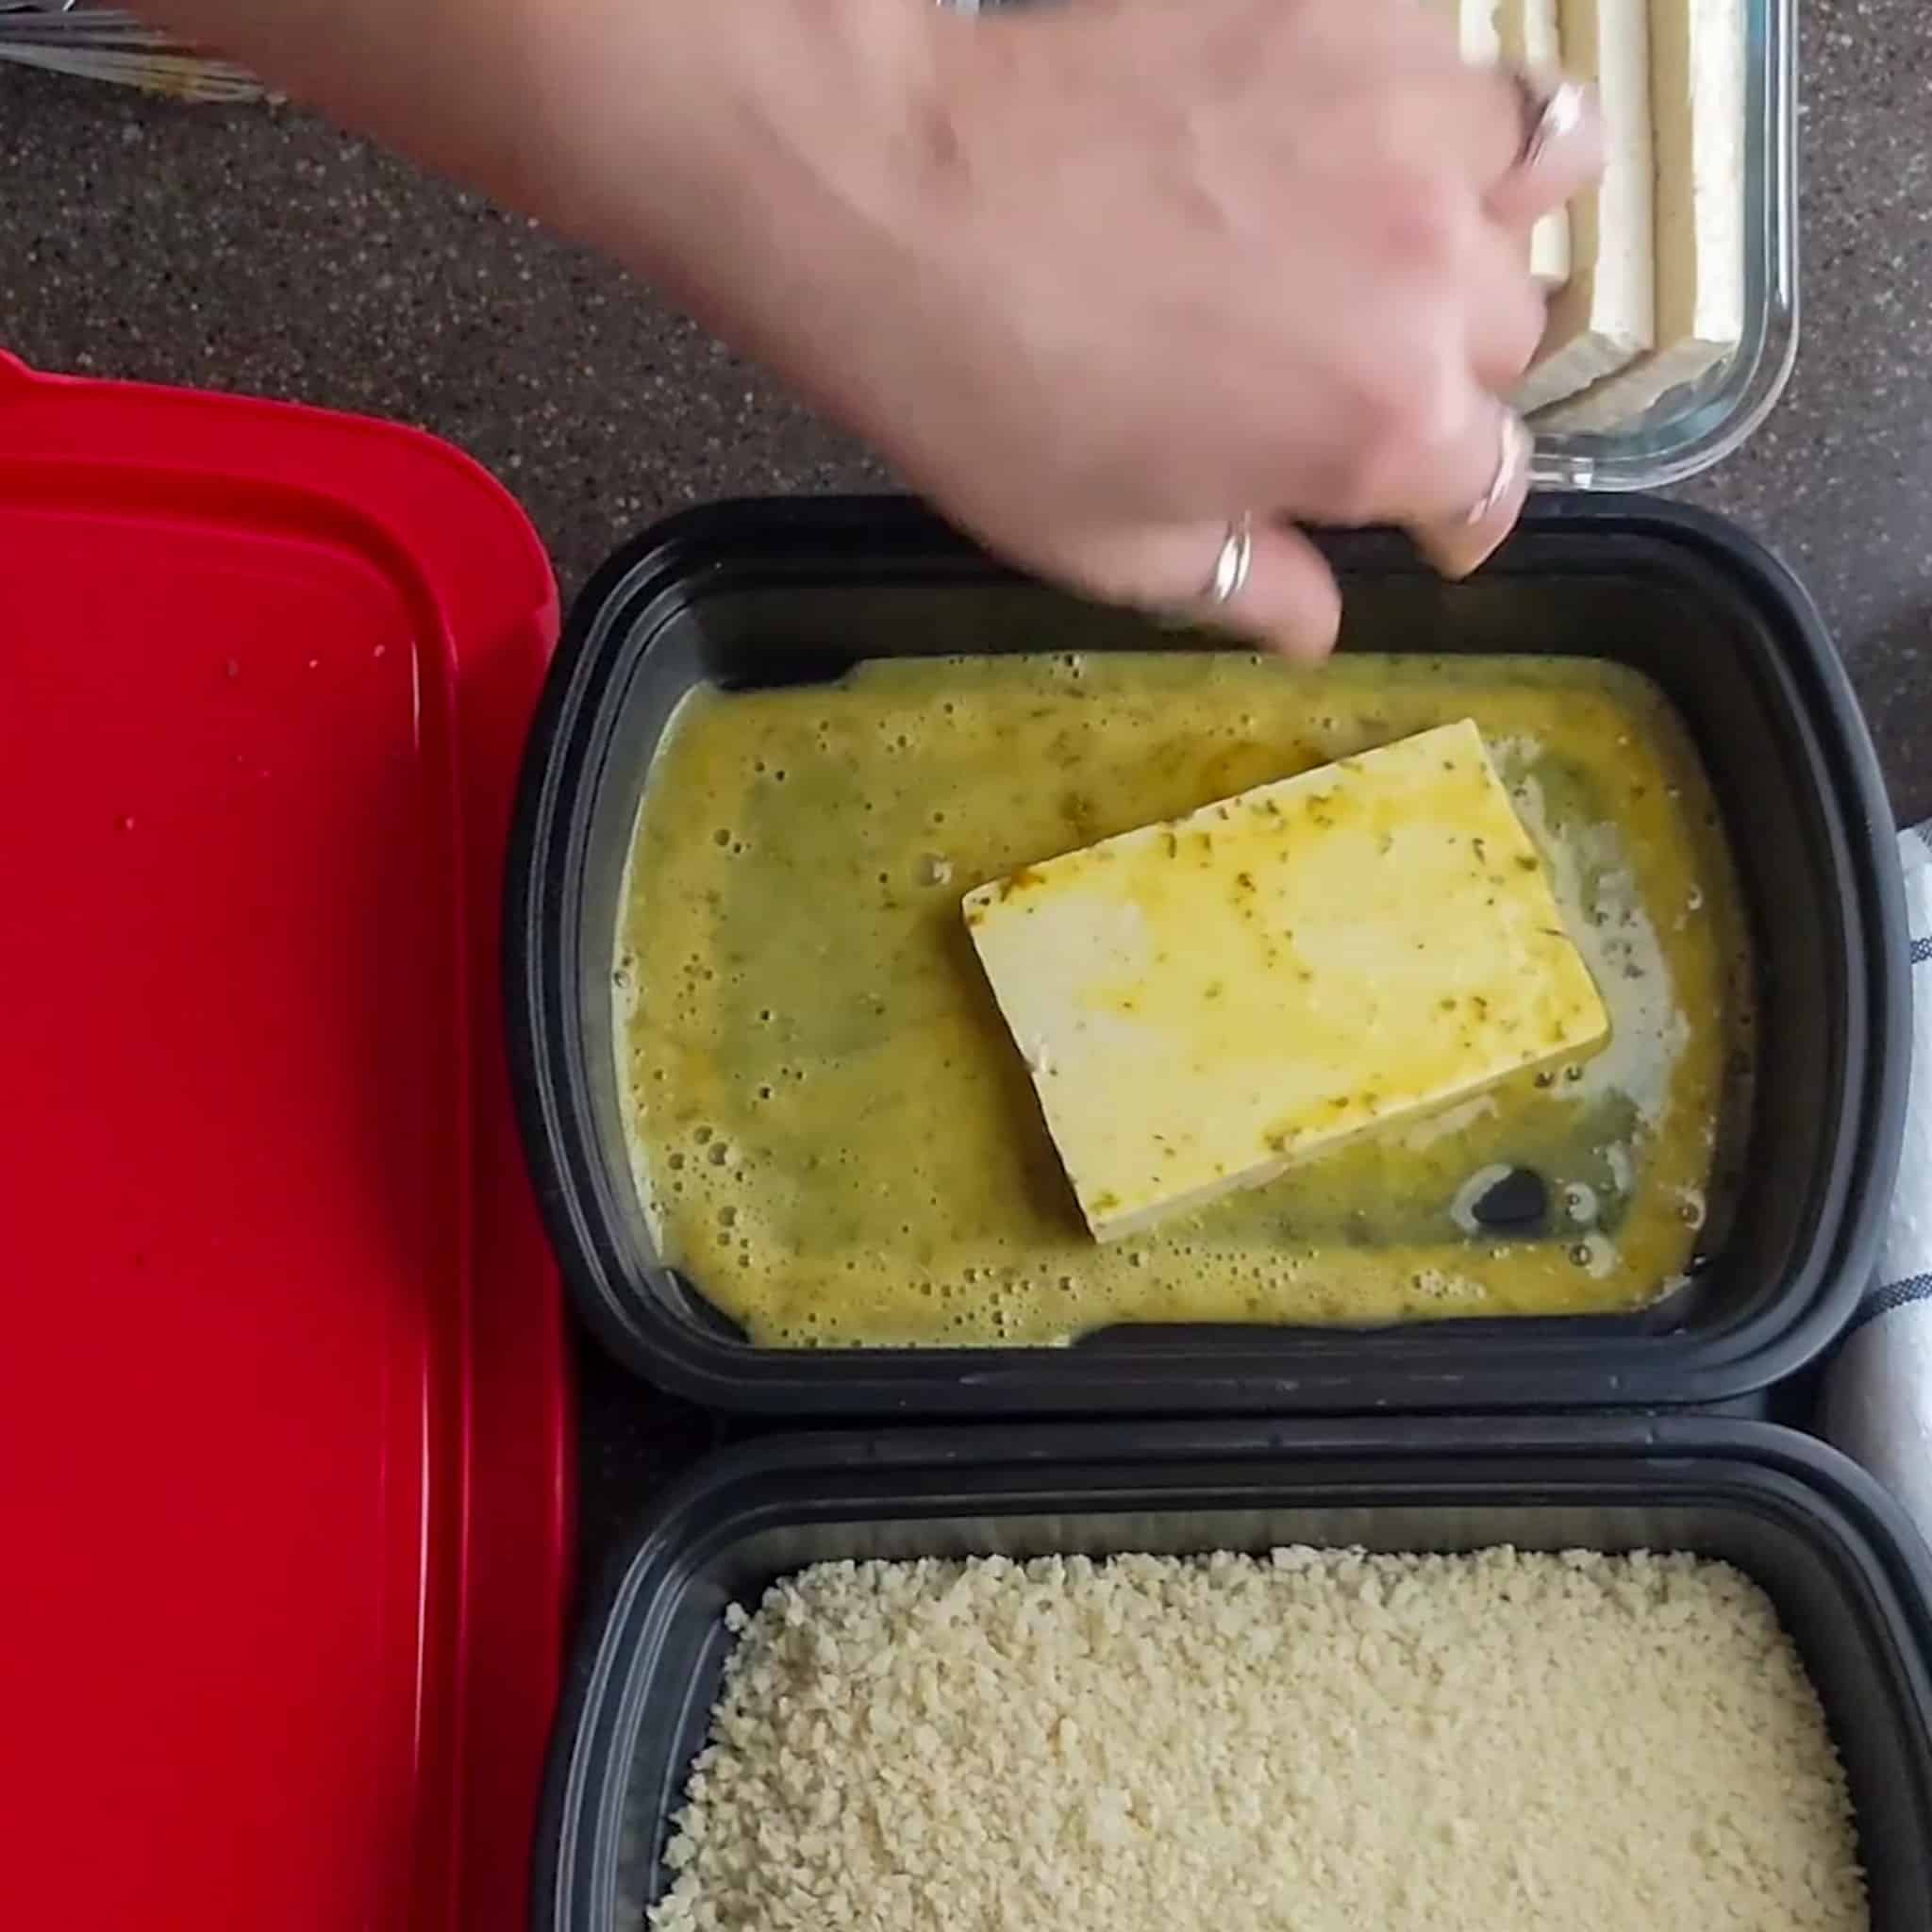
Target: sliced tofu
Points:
(1697, 115)
(1605, 316)
(1479, 28)
(1531, 43)
(1204, 1002)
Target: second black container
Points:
(775, 592)
(1848, 1579)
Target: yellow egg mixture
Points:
(836, 1140)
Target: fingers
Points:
(1290, 600)
(1433, 467)
(1508, 312)
(1358, 375)
(1459, 545)
(1460, 493)
(1529, 138)
(1285, 598)
(1507, 319)
(1492, 123)
(1562, 153)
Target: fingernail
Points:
(1562, 114)
(1555, 109)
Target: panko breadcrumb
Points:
(1307, 1741)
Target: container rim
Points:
(1503, 1437)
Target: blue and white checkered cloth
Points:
(1878, 1391)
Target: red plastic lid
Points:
(283, 1397)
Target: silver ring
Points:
(1512, 448)
(1552, 110)
(1232, 562)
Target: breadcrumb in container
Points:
(1315, 1739)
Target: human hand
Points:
(1105, 279)
(1146, 267)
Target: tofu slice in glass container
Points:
(1697, 117)
(1604, 316)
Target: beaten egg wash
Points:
(836, 1140)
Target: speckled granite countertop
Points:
(254, 249)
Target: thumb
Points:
(1287, 598)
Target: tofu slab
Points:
(1204, 1002)
(1604, 316)
(1697, 116)
(1532, 43)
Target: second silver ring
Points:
(1552, 110)
(1232, 562)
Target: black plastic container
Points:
(1850, 1580)
(789, 591)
